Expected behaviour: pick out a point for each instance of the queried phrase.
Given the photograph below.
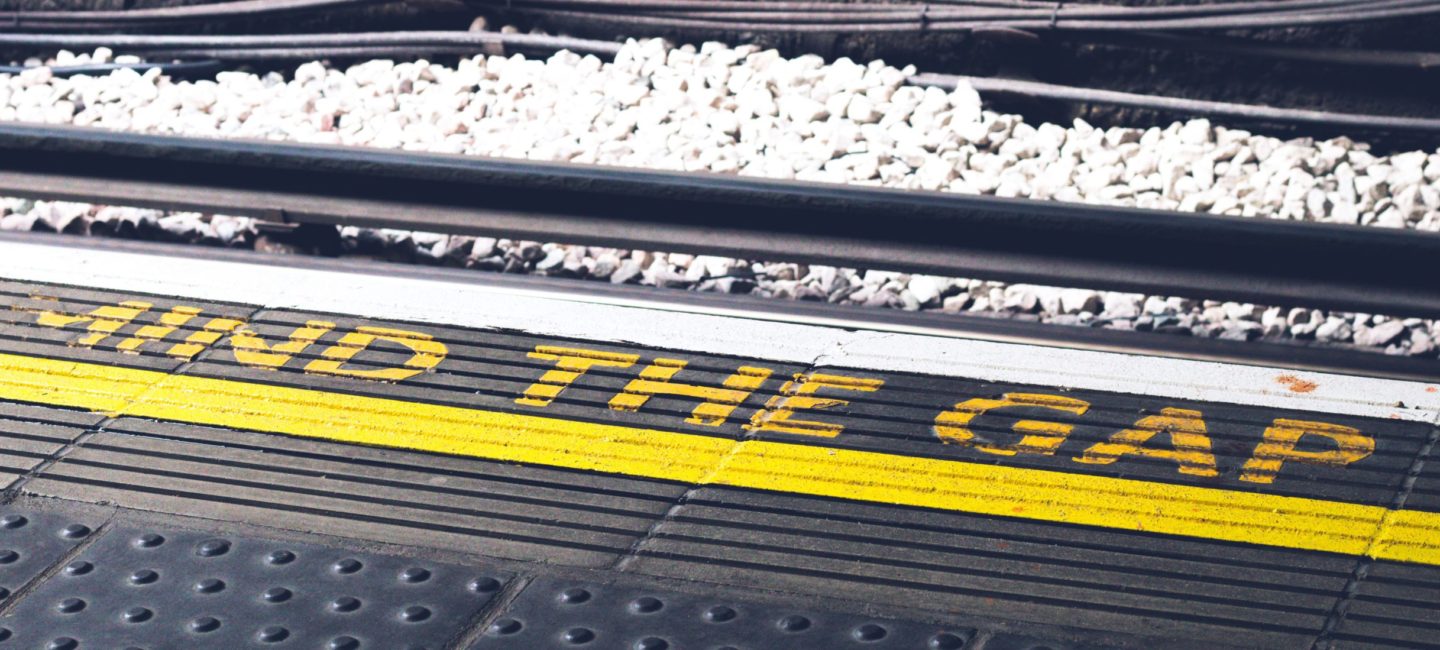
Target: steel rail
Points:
(1348, 268)
(1181, 105)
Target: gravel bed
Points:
(749, 111)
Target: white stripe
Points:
(667, 325)
(1142, 375)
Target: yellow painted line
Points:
(1123, 504)
(75, 384)
(1409, 536)
(1210, 513)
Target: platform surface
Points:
(331, 459)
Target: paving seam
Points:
(471, 633)
(18, 486)
(21, 594)
(631, 554)
(624, 560)
(840, 557)
(179, 405)
(733, 453)
(524, 573)
(1323, 641)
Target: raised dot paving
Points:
(161, 588)
(556, 613)
(615, 507)
(32, 541)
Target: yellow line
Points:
(1124, 504)
(1409, 536)
(1055, 496)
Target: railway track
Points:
(229, 449)
(1259, 261)
(775, 466)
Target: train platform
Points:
(235, 450)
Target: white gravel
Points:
(749, 111)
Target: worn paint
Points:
(249, 348)
(1296, 384)
(952, 427)
(675, 326)
(801, 393)
(1071, 498)
(718, 402)
(1175, 435)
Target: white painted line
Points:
(1142, 375)
(466, 304)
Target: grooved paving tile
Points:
(903, 416)
(1005, 568)
(491, 370)
(1179, 586)
(33, 541)
(30, 434)
(402, 497)
(554, 613)
(1395, 606)
(155, 588)
(21, 305)
(1021, 642)
(1425, 494)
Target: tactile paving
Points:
(553, 613)
(31, 434)
(1020, 642)
(1395, 606)
(31, 542)
(673, 496)
(459, 504)
(1024, 571)
(172, 589)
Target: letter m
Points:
(100, 323)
